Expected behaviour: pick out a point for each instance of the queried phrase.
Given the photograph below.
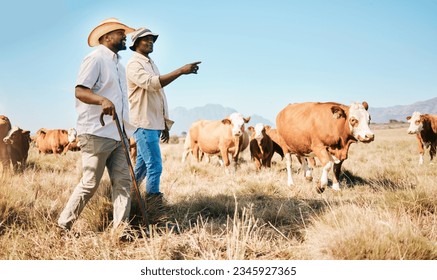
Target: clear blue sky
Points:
(257, 56)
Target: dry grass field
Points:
(386, 210)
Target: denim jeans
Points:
(149, 161)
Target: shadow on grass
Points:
(288, 216)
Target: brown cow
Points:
(5, 126)
(280, 147)
(425, 128)
(50, 141)
(244, 143)
(261, 146)
(324, 130)
(18, 142)
(220, 136)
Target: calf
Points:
(261, 146)
(18, 142)
(5, 126)
(425, 128)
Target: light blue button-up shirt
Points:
(102, 72)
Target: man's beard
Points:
(120, 46)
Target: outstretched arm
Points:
(190, 68)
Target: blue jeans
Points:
(149, 161)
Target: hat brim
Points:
(143, 35)
(99, 31)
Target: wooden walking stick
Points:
(131, 169)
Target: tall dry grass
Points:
(386, 210)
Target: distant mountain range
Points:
(399, 113)
(185, 117)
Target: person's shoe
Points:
(65, 232)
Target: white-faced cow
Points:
(261, 146)
(18, 142)
(324, 130)
(5, 126)
(218, 137)
(425, 128)
(73, 142)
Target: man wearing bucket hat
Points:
(101, 87)
(149, 113)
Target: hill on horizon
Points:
(400, 112)
(184, 117)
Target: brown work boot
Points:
(158, 212)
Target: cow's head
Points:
(416, 123)
(16, 134)
(258, 131)
(5, 120)
(358, 120)
(72, 134)
(237, 121)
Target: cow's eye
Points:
(417, 122)
(354, 121)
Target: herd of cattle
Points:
(307, 130)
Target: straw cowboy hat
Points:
(105, 27)
(142, 32)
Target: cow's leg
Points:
(337, 169)
(432, 151)
(225, 157)
(220, 159)
(307, 170)
(195, 151)
(288, 165)
(257, 163)
(269, 160)
(327, 164)
(185, 154)
(235, 161)
(421, 149)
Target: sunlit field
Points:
(386, 210)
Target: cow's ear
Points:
(337, 112)
(26, 132)
(408, 118)
(267, 127)
(246, 120)
(366, 105)
(226, 121)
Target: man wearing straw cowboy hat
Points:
(149, 113)
(101, 87)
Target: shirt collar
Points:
(143, 57)
(106, 51)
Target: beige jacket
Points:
(147, 100)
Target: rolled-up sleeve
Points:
(89, 72)
(137, 74)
